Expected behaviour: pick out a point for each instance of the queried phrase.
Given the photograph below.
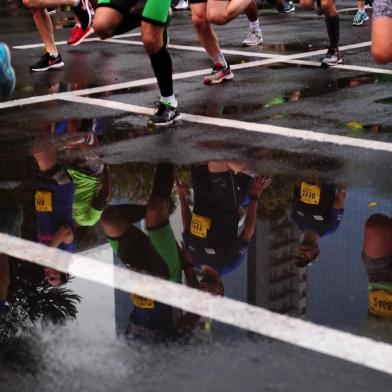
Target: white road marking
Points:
(355, 349)
(59, 43)
(343, 66)
(291, 133)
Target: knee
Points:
(377, 224)
(199, 21)
(152, 42)
(328, 9)
(306, 5)
(216, 17)
(380, 55)
(103, 29)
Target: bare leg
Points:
(45, 29)
(106, 22)
(378, 236)
(382, 40)
(204, 30)
(221, 12)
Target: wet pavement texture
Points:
(246, 204)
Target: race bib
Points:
(380, 302)
(142, 302)
(200, 225)
(310, 194)
(43, 201)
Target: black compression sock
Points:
(162, 66)
(163, 181)
(333, 30)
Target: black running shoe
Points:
(165, 115)
(47, 62)
(84, 14)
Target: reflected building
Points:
(274, 282)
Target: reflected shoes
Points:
(7, 74)
(253, 38)
(182, 5)
(333, 57)
(78, 35)
(360, 17)
(218, 74)
(164, 115)
(47, 62)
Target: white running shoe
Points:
(253, 38)
(182, 5)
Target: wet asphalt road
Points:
(344, 102)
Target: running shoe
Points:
(360, 17)
(218, 74)
(332, 58)
(182, 5)
(83, 11)
(7, 74)
(47, 62)
(286, 7)
(164, 115)
(253, 38)
(78, 35)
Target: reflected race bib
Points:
(200, 225)
(43, 201)
(310, 194)
(380, 303)
(142, 302)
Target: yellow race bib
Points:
(200, 225)
(310, 194)
(380, 302)
(43, 201)
(142, 302)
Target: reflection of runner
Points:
(318, 211)
(155, 253)
(53, 203)
(377, 256)
(211, 230)
(11, 218)
(92, 184)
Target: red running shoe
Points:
(78, 35)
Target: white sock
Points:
(55, 54)
(170, 100)
(255, 26)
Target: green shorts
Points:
(155, 12)
(154, 254)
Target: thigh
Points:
(217, 7)
(199, 9)
(108, 16)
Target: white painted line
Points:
(280, 57)
(344, 66)
(306, 136)
(355, 349)
(59, 43)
